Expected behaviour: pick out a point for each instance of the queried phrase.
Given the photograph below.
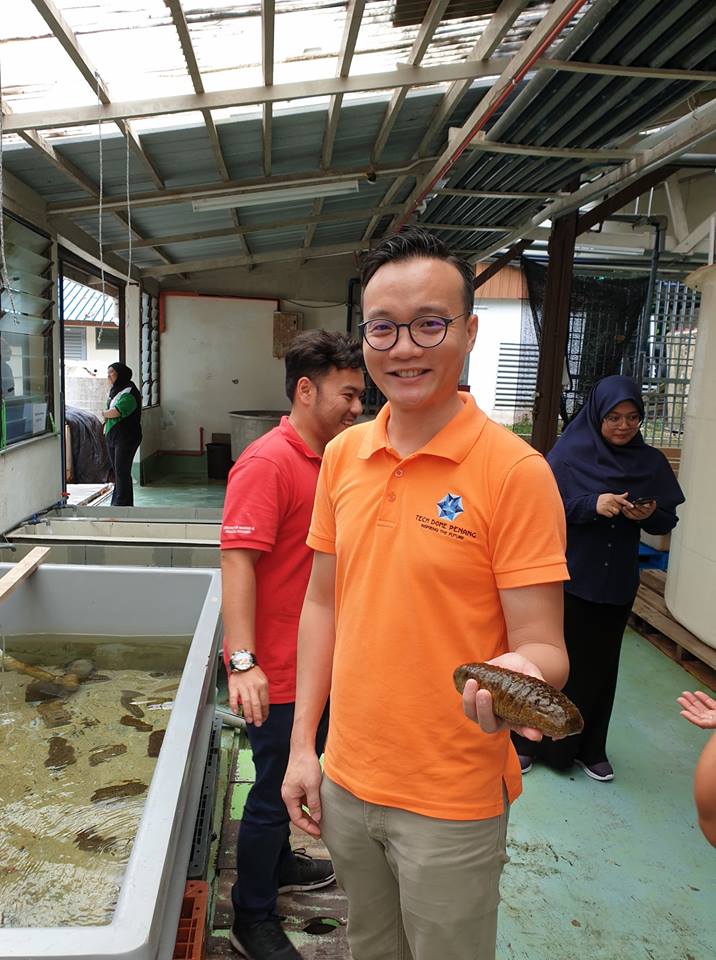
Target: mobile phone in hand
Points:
(641, 501)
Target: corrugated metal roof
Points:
(136, 48)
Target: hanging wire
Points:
(5, 278)
(99, 223)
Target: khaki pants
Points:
(418, 888)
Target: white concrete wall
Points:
(29, 480)
(499, 321)
(209, 343)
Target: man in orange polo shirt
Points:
(439, 538)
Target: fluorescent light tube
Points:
(280, 195)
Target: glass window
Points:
(106, 339)
(26, 324)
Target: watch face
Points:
(242, 660)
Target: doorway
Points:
(92, 337)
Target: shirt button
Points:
(611, 525)
(606, 563)
(391, 497)
(609, 544)
(398, 473)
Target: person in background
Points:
(438, 539)
(265, 568)
(614, 485)
(700, 709)
(123, 430)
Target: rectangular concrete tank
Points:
(164, 602)
(147, 539)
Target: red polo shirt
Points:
(268, 506)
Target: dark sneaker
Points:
(525, 763)
(264, 940)
(301, 872)
(597, 771)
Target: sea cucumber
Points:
(522, 700)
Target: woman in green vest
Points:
(122, 430)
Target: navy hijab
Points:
(585, 463)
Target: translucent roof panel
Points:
(134, 47)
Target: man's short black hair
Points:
(314, 353)
(416, 242)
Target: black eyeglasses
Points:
(425, 332)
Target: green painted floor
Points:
(605, 871)
(177, 491)
(598, 871)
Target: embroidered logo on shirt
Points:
(450, 507)
(238, 531)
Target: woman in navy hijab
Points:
(614, 485)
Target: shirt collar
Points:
(453, 442)
(291, 435)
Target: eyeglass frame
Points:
(626, 418)
(446, 321)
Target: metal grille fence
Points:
(665, 359)
(605, 337)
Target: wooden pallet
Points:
(654, 621)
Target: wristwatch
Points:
(241, 660)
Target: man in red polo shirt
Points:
(265, 566)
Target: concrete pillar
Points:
(691, 579)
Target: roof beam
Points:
(182, 28)
(268, 17)
(496, 194)
(428, 27)
(275, 256)
(694, 238)
(617, 70)
(677, 210)
(189, 193)
(249, 96)
(298, 254)
(532, 150)
(334, 216)
(354, 16)
(467, 227)
(402, 76)
(67, 38)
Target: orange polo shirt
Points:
(423, 545)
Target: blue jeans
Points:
(263, 843)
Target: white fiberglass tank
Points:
(690, 580)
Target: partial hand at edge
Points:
(252, 688)
(477, 703)
(300, 789)
(698, 708)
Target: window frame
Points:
(46, 334)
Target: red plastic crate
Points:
(192, 921)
